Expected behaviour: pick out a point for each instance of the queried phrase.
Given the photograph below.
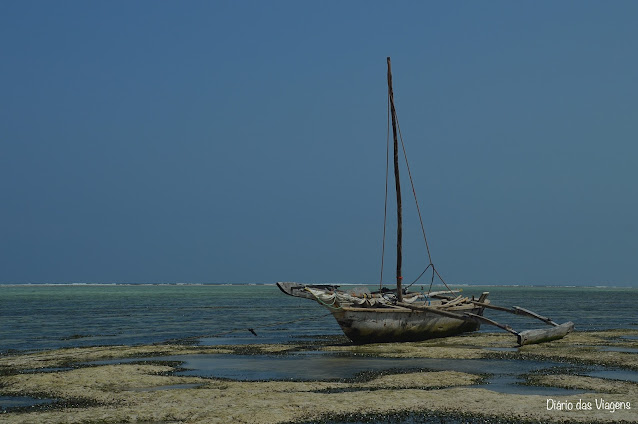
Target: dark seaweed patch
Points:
(420, 417)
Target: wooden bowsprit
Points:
(524, 337)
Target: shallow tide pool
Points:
(505, 376)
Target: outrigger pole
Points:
(523, 337)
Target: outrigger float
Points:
(397, 315)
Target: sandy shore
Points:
(151, 392)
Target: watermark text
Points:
(598, 404)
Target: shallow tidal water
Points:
(502, 375)
(11, 402)
(56, 316)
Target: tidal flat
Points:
(470, 378)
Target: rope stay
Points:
(385, 206)
(416, 201)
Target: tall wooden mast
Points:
(397, 184)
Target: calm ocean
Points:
(35, 317)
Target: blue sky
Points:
(245, 141)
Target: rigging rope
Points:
(420, 275)
(427, 246)
(407, 165)
(385, 204)
(416, 201)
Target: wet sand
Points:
(152, 392)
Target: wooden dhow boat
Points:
(398, 315)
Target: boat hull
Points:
(364, 326)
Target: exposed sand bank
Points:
(131, 392)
